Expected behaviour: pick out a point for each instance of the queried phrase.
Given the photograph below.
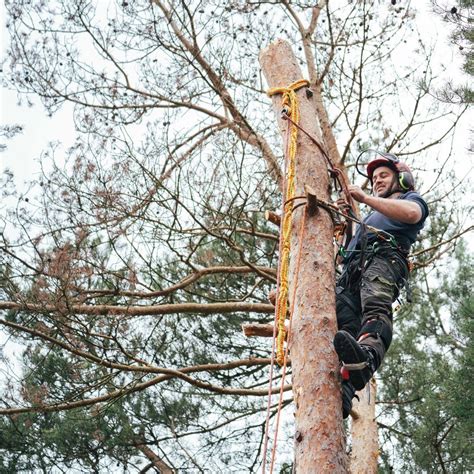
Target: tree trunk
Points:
(319, 440)
(365, 445)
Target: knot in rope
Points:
(291, 109)
(289, 99)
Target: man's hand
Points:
(357, 193)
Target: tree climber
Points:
(375, 269)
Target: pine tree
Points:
(132, 260)
(426, 390)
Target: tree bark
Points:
(320, 441)
(365, 444)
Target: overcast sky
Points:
(22, 152)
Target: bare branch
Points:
(102, 310)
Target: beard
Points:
(392, 189)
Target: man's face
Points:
(382, 181)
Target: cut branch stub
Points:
(272, 297)
(260, 330)
(312, 204)
(273, 217)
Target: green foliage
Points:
(460, 15)
(427, 391)
(75, 439)
(168, 180)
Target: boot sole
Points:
(348, 393)
(350, 352)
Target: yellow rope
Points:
(290, 101)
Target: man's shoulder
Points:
(413, 196)
(416, 197)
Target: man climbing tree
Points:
(130, 262)
(375, 269)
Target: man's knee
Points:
(377, 332)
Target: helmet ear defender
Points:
(406, 181)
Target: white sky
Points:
(23, 151)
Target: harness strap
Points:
(355, 366)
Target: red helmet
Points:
(405, 176)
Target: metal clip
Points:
(285, 112)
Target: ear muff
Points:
(406, 181)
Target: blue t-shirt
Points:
(404, 233)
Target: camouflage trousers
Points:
(364, 302)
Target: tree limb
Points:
(110, 310)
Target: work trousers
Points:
(364, 298)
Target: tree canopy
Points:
(460, 17)
(130, 264)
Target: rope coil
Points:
(291, 109)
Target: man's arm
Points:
(408, 212)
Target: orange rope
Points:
(285, 359)
(290, 102)
(275, 328)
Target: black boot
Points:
(348, 393)
(356, 358)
